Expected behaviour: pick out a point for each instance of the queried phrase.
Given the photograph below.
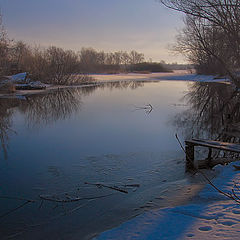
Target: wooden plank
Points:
(215, 144)
(219, 143)
(189, 149)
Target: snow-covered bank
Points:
(193, 78)
(180, 75)
(209, 215)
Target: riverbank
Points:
(209, 215)
(178, 75)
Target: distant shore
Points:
(178, 75)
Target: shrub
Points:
(147, 67)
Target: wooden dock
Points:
(210, 144)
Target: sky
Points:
(110, 25)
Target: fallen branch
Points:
(106, 186)
(180, 144)
(17, 198)
(53, 199)
(14, 235)
(57, 217)
(40, 206)
(13, 210)
(20, 206)
(148, 108)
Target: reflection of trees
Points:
(124, 84)
(52, 106)
(6, 106)
(214, 112)
(121, 85)
(60, 104)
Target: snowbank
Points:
(20, 77)
(193, 77)
(181, 75)
(209, 215)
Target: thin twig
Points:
(220, 191)
(14, 235)
(237, 199)
(40, 206)
(236, 186)
(60, 215)
(13, 210)
(180, 143)
(148, 108)
(17, 198)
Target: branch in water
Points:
(13, 210)
(148, 108)
(53, 199)
(106, 186)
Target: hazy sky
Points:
(110, 25)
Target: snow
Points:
(194, 78)
(209, 215)
(179, 75)
(20, 77)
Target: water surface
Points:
(55, 142)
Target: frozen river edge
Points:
(179, 75)
(209, 215)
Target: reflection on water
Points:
(92, 134)
(122, 85)
(213, 113)
(89, 135)
(213, 108)
(50, 107)
(60, 104)
(6, 112)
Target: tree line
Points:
(59, 66)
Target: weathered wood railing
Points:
(190, 144)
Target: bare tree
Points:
(205, 46)
(136, 57)
(58, 66)
(4, 44)
(20, 56)
(89, 59)
(219, 19)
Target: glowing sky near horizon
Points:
(110, 25)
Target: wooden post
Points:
(209, 158)
(189, 148)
